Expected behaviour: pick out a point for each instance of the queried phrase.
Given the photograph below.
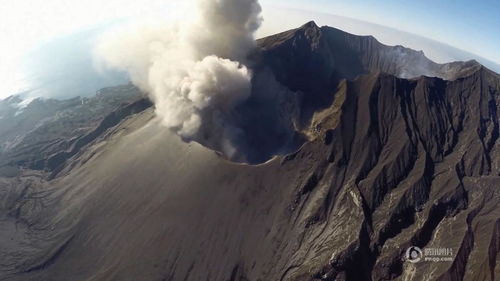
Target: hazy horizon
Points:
(74, 70)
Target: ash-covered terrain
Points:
(359, 151)
(41, 134)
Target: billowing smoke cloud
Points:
(194, 70)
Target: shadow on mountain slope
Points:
(390, 163)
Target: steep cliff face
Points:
(391, 163)
(313, 60)
(419, 164)
(326, 53)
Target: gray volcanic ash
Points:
(381, 164)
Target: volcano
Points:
(380, 150)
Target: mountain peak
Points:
(311, 32)
(310, 24)
(12, 99)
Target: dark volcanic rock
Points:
(391, 163)
(312, 60)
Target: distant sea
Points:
(62, 68)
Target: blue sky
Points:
(472, 25)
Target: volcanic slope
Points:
(392, 163)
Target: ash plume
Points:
(194, 71)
